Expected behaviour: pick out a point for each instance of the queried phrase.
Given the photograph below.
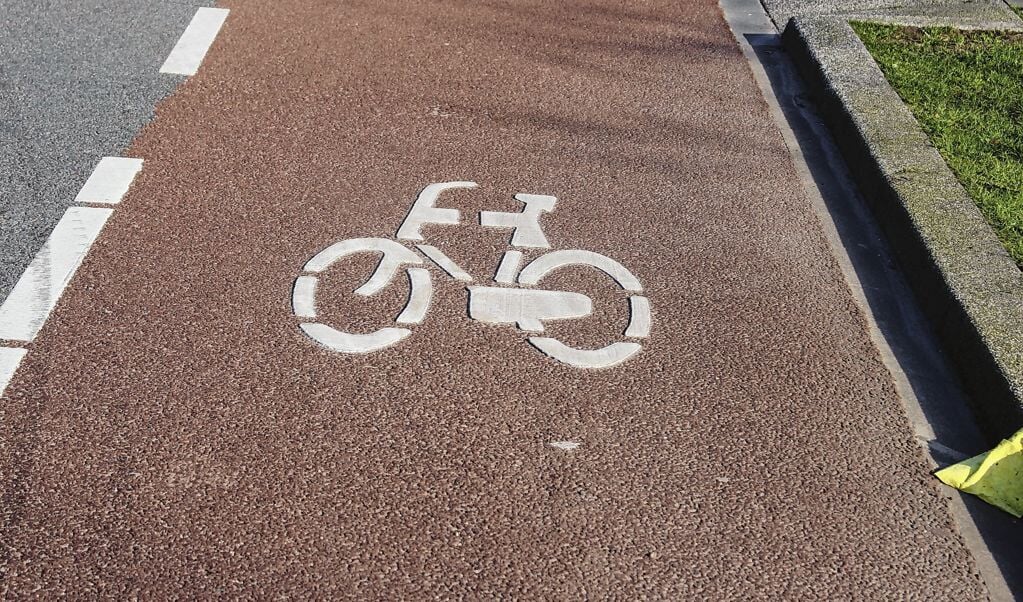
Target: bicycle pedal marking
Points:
(524, 308)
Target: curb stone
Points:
(968, 286)
(965, 14)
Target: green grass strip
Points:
(966, 90)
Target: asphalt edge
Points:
(967, 285)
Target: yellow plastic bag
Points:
(995, 477)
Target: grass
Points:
(966, 90)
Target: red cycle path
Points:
(172, 432)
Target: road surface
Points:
(172, 430)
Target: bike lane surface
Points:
(173, 431)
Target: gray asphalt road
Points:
(78, 80)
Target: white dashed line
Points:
(36, 293)
(110, 180)
(9, 360)
(195, 42)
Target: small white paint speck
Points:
(565, 445)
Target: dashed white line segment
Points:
(110, 180)
(36, 293)
(10, 358)
(195, 42)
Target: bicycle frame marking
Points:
(510, 304)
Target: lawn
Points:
(966, 90)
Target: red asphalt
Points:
(173, 433)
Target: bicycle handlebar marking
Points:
(510, 304)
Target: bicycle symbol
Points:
(514, 303)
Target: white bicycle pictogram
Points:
(512, 302)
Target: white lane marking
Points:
(39, 288)
(565, 445)
(605, 357)
(526, 230)
(110, 180)
(346, 342)
(10, 358)
(509, 267)
(527, 308)
(393, 256)
(639, 317)
(421, 290)
(424, 212)
(303, 297)
(539, 267)
(195, 42)
(444, 262)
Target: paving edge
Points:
(967, 285)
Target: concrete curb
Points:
(969, 14)
(967, 285)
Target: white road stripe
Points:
(9, 360)
(195, 42)
(110, 180)
(36, 293)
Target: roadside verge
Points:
(968, 286)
